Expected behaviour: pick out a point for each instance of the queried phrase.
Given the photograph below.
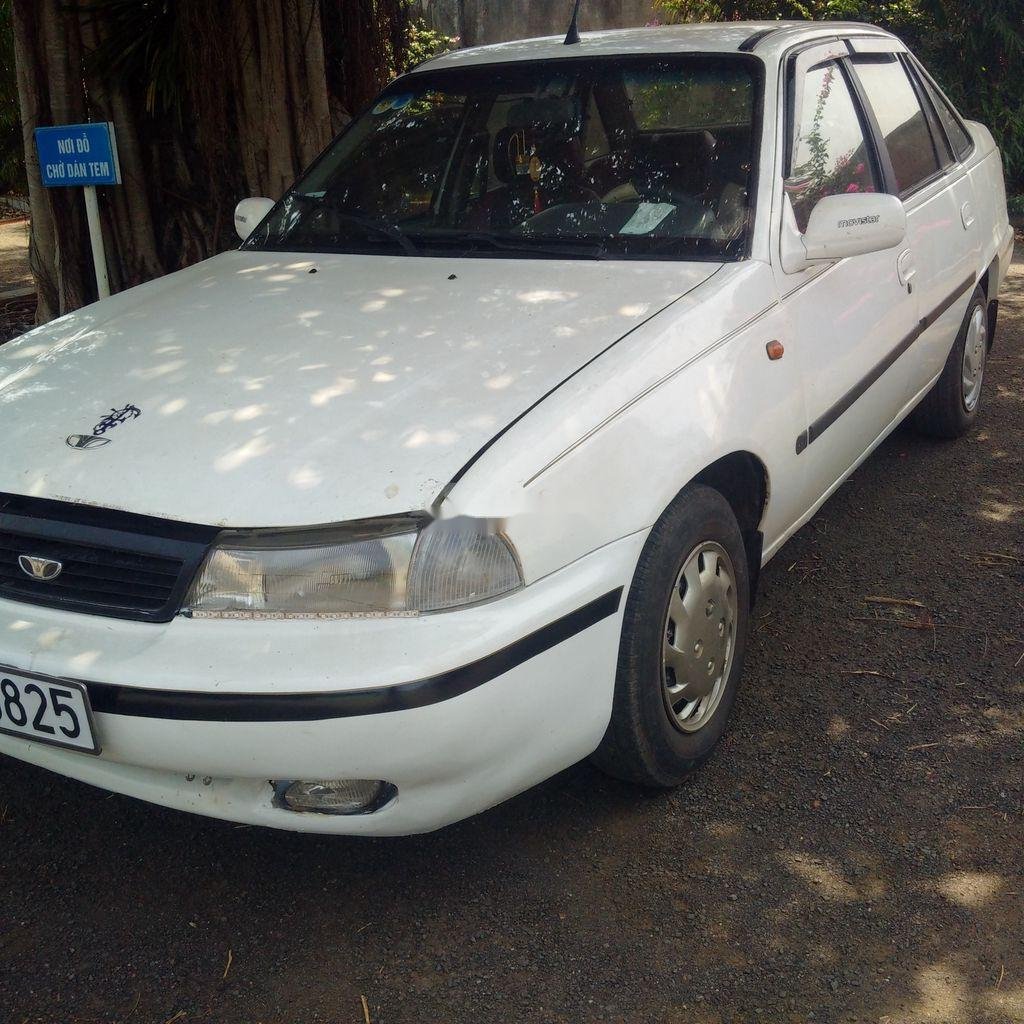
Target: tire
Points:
(646, 742)
(950, 408)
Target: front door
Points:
(847, 318)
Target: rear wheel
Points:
(683, 639)
(951, 407)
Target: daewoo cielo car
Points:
(463, 466)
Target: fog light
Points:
(337, 796)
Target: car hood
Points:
(281, 390)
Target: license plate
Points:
(46, 711)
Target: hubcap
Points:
(700, 632)
(975, 349)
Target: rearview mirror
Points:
(248, 213)
(852, 224)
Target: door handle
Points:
(967, 215)
(905, 269)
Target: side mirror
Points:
(248, 213)
(852, 224)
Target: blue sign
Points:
(78, 154)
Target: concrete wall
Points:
(493, 21)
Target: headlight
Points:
(400, 566)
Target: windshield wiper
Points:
(388, 230)
(476, 240)
(379, 227)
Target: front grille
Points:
(112, 581)
(113, 563)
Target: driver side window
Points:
(831, 155)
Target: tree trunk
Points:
(274, 76)
(45, 43)
(211, 100)
(307, 81)
(249, 99)
(128, 213)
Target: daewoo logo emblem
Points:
(84, 441)
(44, 569)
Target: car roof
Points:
(768, 39)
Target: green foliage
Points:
(897, 15)
(816, 142)
(974, 50)
(12, 154)
(143, 43)
(976, 53)
(424, 42)
(693, 100)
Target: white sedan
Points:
(463, 466)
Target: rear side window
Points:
(955, 131)
(830, 153)
(901, 120)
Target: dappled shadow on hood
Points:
(308, 389)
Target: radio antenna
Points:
(572, 37)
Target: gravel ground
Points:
(853, 853)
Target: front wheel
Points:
(951, 407)
(683, 640)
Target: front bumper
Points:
(458, 710)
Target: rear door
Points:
(942, 249)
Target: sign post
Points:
(99, 255)
(82, 155)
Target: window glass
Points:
(696, 98)
(644, 157)
(382, 175)
(595, 139)
(830, 154)
(958, 137)
(901, 121)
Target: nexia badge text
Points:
(853, 222)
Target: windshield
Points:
(643, 157)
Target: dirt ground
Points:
(17, 303)
(14, 271)
(855, 852)
(17, 316)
